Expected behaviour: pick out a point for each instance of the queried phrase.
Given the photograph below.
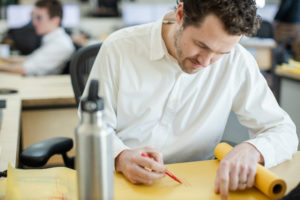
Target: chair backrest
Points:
(80, 67)
(266, 30)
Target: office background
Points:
(95, 20)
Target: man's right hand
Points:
(135, 167)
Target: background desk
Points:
(9, 132)
(261, 49)
(44, 91)
(48, 91)
(39, 97)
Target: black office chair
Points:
(265, 30)
(38, 154)
(24, 39)
(80, 67)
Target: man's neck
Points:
(51, 30)
(168, 31)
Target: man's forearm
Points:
(13, 68)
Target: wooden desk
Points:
(33, 92)
(198, 182)
(45, 91)
(261, 49)
(10, 131)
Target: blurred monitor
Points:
(141, 13)
(20, 15)
(268, 12)
(71, 15)
(104, 8)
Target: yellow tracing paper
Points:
(2, 188)
(198, 183)
(59, 183)
(293, 66)
(52, 183)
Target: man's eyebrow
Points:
(203, 45)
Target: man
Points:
(56, 48)
(287, 25)
(169, 87)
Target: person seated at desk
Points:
(287, 26)
(169, 87)
(56, 48)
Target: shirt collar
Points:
(157, 45)
(52, 34)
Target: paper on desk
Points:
(198, 183)
(293, 66)
(60, 183)
(2, 188)
(52, 183)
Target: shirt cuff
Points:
(118, 147)
(29, 67)
(266, 150)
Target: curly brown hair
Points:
(238, 16)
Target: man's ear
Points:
(179, 14)
(56, 20)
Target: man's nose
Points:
(205, 58)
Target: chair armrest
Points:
(38, 154)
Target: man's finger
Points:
(243, 177)
(150, 164)
(234, 177)
(147, 175)
(251, 176)
(156, 156)
(224, 179)
(217, 188)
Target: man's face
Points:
(198, 47)
(42, 22)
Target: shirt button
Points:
(165, 124)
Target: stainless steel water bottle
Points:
(94, 161)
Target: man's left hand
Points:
(237, 169)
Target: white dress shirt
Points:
(51, 56)
(150, 101)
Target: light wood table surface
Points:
(9, 131)
(47, 91)
(261, 49)
(33, 92)
(40, 91)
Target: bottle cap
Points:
(92, 102)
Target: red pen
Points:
(167, 172)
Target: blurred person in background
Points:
(56, 47)
(287, 26)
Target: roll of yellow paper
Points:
(265, 180)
